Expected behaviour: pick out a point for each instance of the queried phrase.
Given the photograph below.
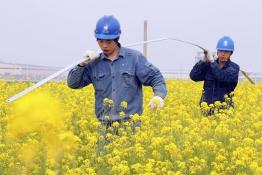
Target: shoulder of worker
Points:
(233, 64)
(130, 52)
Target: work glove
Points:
(156, 102)
(209, 56)
(89, 57)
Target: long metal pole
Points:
(247, 77)
(40, 83)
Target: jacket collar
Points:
(121, 53)
(226, 64)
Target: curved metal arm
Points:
(187, 42)
(205, 51)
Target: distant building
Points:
(25, 72)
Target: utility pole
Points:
(145, 38)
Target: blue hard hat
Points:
(107, 28)
(225, 44)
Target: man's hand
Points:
(209, 56)
(156, 102)
(89, 57)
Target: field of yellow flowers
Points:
(54, 131)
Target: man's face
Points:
(223, 55)
(107, 46)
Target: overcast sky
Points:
(57, 32)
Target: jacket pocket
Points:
(99, 81)
(129, 79)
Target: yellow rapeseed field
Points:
(54, 130)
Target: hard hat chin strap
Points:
(117, 41)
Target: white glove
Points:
(209, 56)
(89, 57)
(156, 102)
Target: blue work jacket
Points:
(119, 80)
(217, 81)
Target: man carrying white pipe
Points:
(118, 73)
(220, 75)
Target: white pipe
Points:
(40, 83)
